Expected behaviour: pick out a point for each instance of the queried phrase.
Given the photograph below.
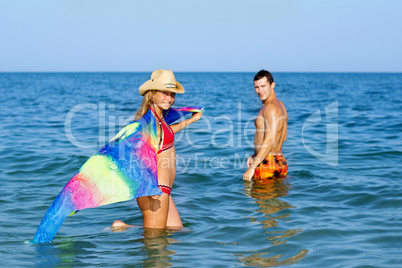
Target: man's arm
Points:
(271, 130)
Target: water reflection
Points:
(154, 252)
(148, 248)
(67, 252)
(155, 247)
(266, 195)
(257, 259)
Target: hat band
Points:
(169, 85)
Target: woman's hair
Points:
(145, 105)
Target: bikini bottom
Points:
(165, 189)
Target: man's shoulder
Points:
(274, 108)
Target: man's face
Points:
(263, 88)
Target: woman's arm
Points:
(179, 126)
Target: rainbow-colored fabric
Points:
(123, 169)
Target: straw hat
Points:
(163, 80)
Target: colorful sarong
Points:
(123, 169)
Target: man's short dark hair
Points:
(264, 73)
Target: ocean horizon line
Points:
(202, 72)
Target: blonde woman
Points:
(159, 211)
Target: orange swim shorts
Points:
(271, 166)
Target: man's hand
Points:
(248, 174)
(249, 161)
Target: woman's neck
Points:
(157, 110)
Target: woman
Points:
(159, 95)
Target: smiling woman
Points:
(159, 93)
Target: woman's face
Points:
(164, 99)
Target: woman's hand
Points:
(197, 116)
(179, 126)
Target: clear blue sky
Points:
(201, 35)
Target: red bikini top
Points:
(167, 135)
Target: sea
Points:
(339, 206)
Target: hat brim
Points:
(156, 85)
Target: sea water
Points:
(339, 206)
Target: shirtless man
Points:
(271, 130)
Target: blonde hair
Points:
(145, 105)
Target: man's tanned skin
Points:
(271, 123)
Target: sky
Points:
(200, 35)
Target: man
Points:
(271, 130)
